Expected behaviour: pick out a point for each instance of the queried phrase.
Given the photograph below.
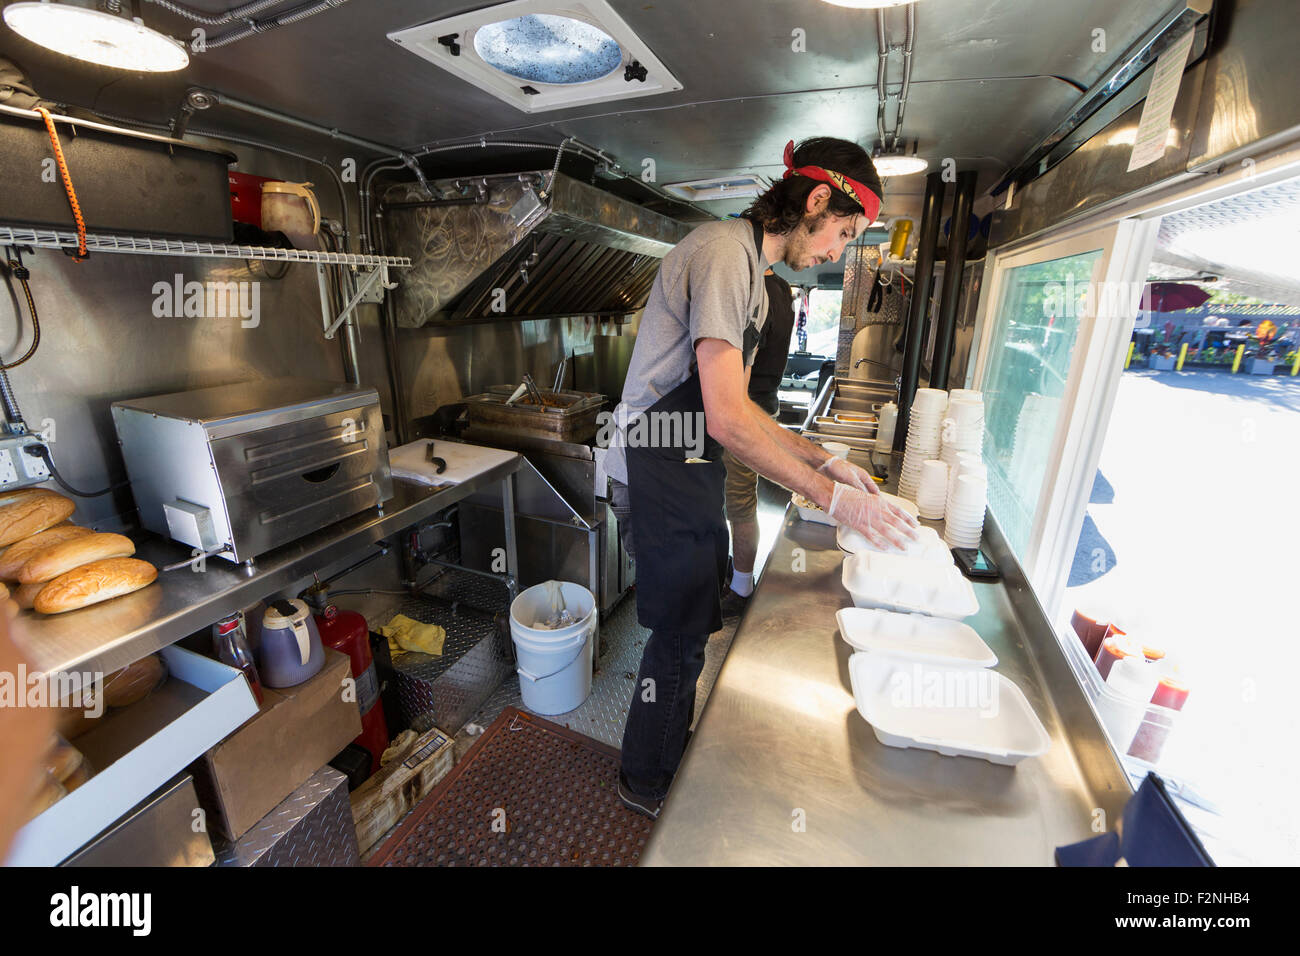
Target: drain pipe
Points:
(914, 341)
(946, 327)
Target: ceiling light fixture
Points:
(738, 186)
(74, 28)
(898, 162)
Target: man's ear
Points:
(818, 199)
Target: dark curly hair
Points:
(784, 204)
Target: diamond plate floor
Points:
(604, 713)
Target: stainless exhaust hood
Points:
(522, 246)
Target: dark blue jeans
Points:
(655, 735)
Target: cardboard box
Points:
(297, 731)
(399, 785)
(137, 749)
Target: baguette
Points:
(16, 555)
(73, 553)
(27, 515)
(25, 594)
(94, 582)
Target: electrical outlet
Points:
(18, 469)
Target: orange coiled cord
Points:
(67, 183)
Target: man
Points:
(742, 481)
(685, 400)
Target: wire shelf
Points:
(140, 245)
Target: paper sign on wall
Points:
(1153, 129)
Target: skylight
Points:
(543, 48)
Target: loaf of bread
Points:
(19, 553)
(30, 514)
(61, 558)
(132, 683)
(25, 595)
(62, 760)
(94, 582)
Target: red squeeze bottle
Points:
(231, 648)
(1149, 741)
(1112, 649)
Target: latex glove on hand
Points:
(844, 471)
(883, 523)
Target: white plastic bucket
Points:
(554, 665)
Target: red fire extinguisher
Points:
(347, 631)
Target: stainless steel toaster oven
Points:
(254, 465)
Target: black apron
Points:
(681, 536)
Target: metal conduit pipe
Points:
(913, 338)
(272, 23)
(882, 71)
(245, 141)
(215, 98)
(907, 72)
(946, 327)
(219, 19)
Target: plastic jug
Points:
(291, 208)
(290, 651)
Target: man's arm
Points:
(810, 453)
(731, 421)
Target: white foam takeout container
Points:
(895, 582)
(956, 711)
(934, 639)
(928, 546)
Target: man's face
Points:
(822, 235)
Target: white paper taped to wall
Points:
(1153, 129)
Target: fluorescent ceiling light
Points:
(868, 4)
(96, 37)
(722, 187)
(899, 163)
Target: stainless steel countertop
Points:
(107, 636)
(780, 734)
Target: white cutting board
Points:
(411, 461)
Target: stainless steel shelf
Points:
(140, 245)
(116, 633)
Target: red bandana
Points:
(859, 193)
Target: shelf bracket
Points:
(370, 289)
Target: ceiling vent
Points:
(540, 55)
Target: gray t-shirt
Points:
(710, 286)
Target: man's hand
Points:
(845, 472)
(881, 522)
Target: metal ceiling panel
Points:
(339, 69)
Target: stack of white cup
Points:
(963, 425)
(964, 517)
(932, 492)
(967, 463)
(923, 441)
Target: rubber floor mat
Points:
(527, 793)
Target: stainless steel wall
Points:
(101, 341)
(1238, 101)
